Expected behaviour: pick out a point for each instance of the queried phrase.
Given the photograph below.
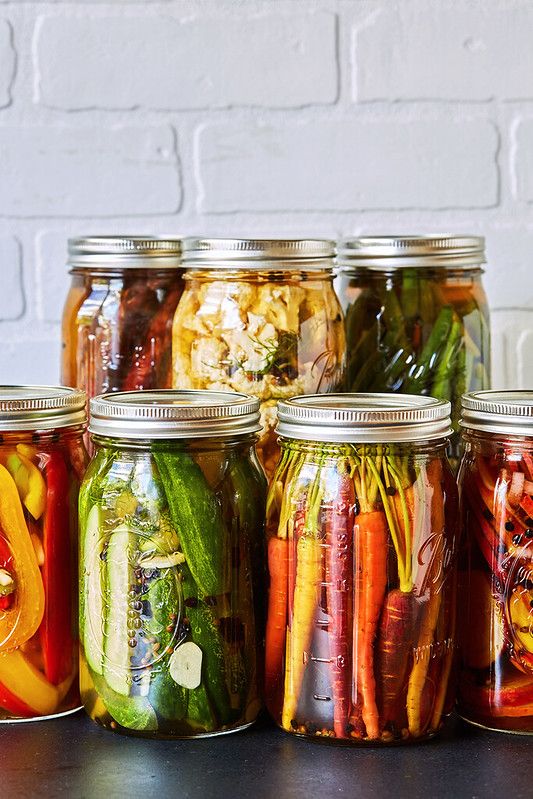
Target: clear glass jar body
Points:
(172, 586)
(271, 334)
(419, 330)
(40, 475)
(117, 329)
(360, 627)
(496, 582)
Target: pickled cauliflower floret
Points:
(280, 305)
(250, 347)
(209, 359)
(270, 340)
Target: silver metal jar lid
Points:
(254, 254)
(41, 407)
(172, 413)
(386, 252)
(505, 412)
(362, 418)
(125, 252)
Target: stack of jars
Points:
(210, 363)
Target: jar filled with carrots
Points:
(496, 565)
(417, 318)
(361, 526)
(117, 320)
(42, 461)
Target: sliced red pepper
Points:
(56, 627)
(156, 349)
(14, 705)
(526, 503)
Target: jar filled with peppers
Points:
(361, 528)
(496, 565)
(42, 461)
(262, 317)
(172, 564)
(416, 316)
(117, 320)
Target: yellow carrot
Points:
(306, 596)
(417, 678)
(432, 583)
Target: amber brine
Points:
(259, 317)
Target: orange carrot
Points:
(339, 521)
(306, 597)
(371, 550)
(278, 565)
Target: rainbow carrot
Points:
(371, 548)
(278, 566)
(306, 595)
(339, 589)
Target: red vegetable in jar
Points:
(42, 458)
(496, 567)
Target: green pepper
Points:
(197, 518)
(419, 376)
(447, 363)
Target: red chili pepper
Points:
(6, 562)
(156, 350)
(56, 627)
(14, 705)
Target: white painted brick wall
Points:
(249, 117)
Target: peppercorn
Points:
(391, 491)
(529, 532)
(516, 539)
(509, 526)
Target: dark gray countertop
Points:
(74, 758)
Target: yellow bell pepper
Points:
(522, 617)
(28, 451)
(22, 620)
(27, 684)
(29, 481)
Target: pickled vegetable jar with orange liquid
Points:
(496, 564)
(361, 526)
(42, 461)
(416, 316)
(117, 320)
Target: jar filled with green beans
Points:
(171, 564)
(417, 319)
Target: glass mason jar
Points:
(172, 564)
(260, 317)
(361, 528)
(496, 564)
(117, 320)
(417, 318)
(42, 461)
